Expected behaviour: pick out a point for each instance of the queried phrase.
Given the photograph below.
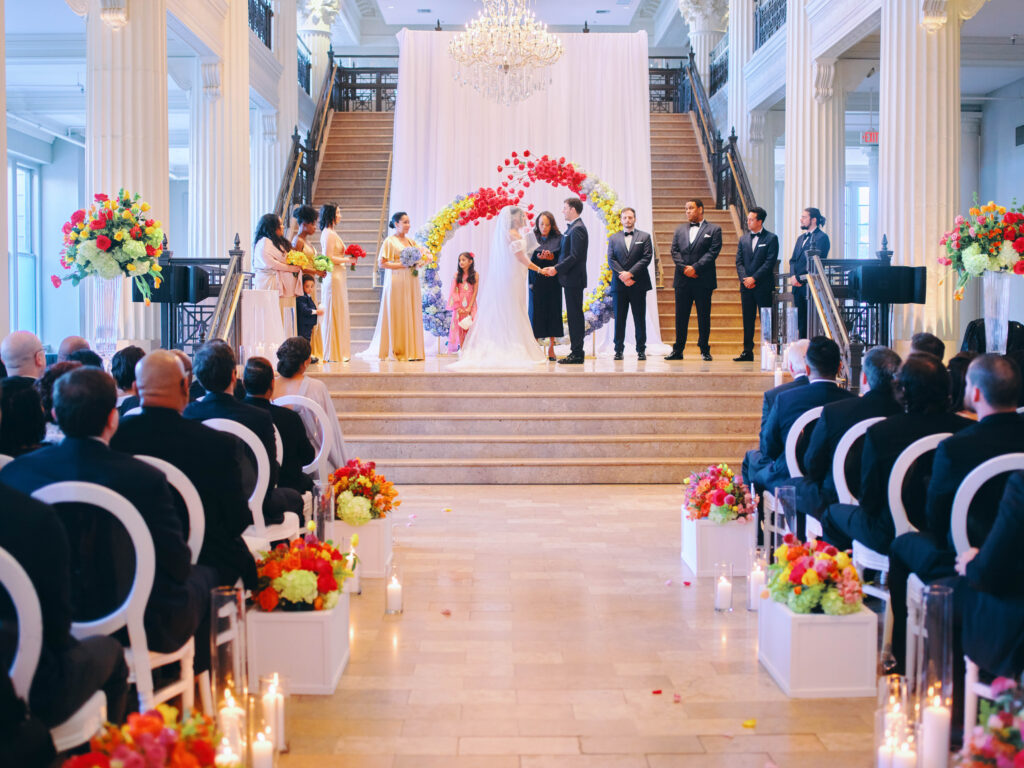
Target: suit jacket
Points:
(799, 262)
(297, 450)
(701, 255)
(758, 263)
(789, 406)
(572, 261)
(101, 567)
(305, 315)
(770, 396)
(635, 261)
(955, 457)
(212, 460)
(131, 401)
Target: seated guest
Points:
(215, 369)
(23, 355)
(212, 460)
(297, 450)
(928, 344)
(122, 368)
(993, 384)
(84, 400)
(958, 365)
(23, 426)
(3, 370)
(87, 357)
(70, 345)
(44, 386)
(922, 389)
(195, 389)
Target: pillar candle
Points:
(904, 757)
(394, 601)
(262, 753)
(273, 714)
(723, 594)
(935, 727)
(754, 588)
(232, 723)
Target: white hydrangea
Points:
(975, 262)
(1007, 256)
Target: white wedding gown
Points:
(502, 337)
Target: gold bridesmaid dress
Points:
(401, 317)
(337, 334)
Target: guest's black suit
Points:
(572, 274)
(756, 256)
(814, 241)
(701, 255)
(213, 461)
(69, 671)
(297, 450)
(635, 260)
(132, 401)
(101, 566)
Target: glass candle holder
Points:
(784, 509)
(228, 670)
(263, 753)
(723, 587)
(756, 580)
(355, 583)
(934, 682)
(271, 701)
(393, 591)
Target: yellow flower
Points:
(130, 267)
(842, 560)
(119, 235)
(355, 540)
(145, 206)
(1001, 210)
(810, 578)
(974, 212)
(150, 230)
(156, 268)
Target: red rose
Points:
(78, 217)
(66, 228)
(56, 281)
(326, 583)
(99, 223)
(101, 198)
(1010, 233)
(1018, 268)
(90, 760)
(203, 751)
(526, 153)
(268, 599)
(1018, 245)
(150, 250)
(103, 242)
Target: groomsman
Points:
(812, 242)
(629, 254)
(756, 255)
(695, 247)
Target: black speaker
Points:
(198, 285)
(173, 286)
(889, 285)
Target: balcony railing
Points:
(664, 76)
(769, 18)
(260, 17)
(305, 67)
(718, 73)
(362, 87)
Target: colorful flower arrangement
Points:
(814, 578)
(155, 739)
(719, 495)
(361, 494)
(991, 239)
(110, 238)
(484, 204)
(355, 252)
(305, 575)
(997, 741)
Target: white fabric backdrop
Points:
(449, 140)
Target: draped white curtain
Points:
(449, 140)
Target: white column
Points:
(875, 229)
(815, 118)
(126, 141)
(919, 148)
(706, 19)
(741, 48)
(970, 183)
(5, 274)
(316, 18)
(267, 164)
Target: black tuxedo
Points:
(756, 261)
(131, 401)
(755, 460)
(701, 255)
(800, 263)
(635, 261)
(101, 567)
(297, 450)
(572, 274)
(213, 461)
(305, 314)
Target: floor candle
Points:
(262, 753)
(723, 594)
(755, 585)
(394, 598)
(935, 728)
(232, 723)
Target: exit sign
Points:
(869, 137)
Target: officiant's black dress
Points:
(546, 293)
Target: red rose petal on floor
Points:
(656, 693)
(676, 698)
(686, 583)
(446, 612)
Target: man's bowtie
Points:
(628, 234)
(695, 223)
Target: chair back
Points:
(278, 445)
(898, 476)
(193, 502)
(5, 460)
(255, 445)
(842, 451)
(30, 623)
(793, 436)
(319, 462)
(977, 477)
(132, 411)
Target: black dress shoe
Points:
(745, 357)
(572, 360)
(705, 356)
(618, 356)
(641, 355)
(674, 356)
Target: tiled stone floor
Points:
(561, 625)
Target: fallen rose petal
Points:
(686, 583)
(751, 723)
(668, 583)
(412, 517)
(676, 698)
(656, 693)
(446, 612)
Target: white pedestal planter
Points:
(374, 548)
(705, 543)
(307, 648)
(814, 656)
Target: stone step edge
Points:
(519, 416)
(418, 393)
(552, 438)
(570, 461)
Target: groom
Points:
(572, 274)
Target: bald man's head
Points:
(23, 355)
(161, 380)
(69, 345)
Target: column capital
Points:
(824, 79)
(210, 72)
(80, 7)
(318, 15)
(935, 13)
(704, 15)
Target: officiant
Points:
(629, 255)
(545, 292)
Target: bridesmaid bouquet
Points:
(355, 252)
(299, 259)
(410, 257)
(322, 263)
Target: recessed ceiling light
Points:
(423, 10)
(604, 10)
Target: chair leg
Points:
(188, 695)
(970, 696)
(205, 693)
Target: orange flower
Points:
(271, 570)
(797, 590)
(268, 599)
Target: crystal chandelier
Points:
(505, 52)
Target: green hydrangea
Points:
(807, 600)
(354, 510)
(331, 599)
(833, 604)
(134, 250)
(296, 586)
(721, 514)
(975, 262)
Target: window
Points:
(858, 221)
(23, 248)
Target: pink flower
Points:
(972, 232)
(1001, 685)
(958, 220)
(56, 281)
(981, 220)
(730, 500)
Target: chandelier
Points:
(505, 52)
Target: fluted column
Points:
(706, 19)
(815, 139)
(919, 148)
(970, 183)
(741, 48)
(5, 285)
(266, 160)
(315, 20)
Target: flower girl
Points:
(462, 301)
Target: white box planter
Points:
(814, 656)
(307, 648)
(705, 543)
(374, 548)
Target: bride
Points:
(501, 336)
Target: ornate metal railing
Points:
(260, 18)
(769, 18)
(305, 67)
(664, 76)
(718, 73)
(360, 88)
(825, 318)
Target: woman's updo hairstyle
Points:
(304, 214)
(291, 355)
(397, 217)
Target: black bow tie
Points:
(695, 223)
(628, 234)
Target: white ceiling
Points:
(23, 17)
(617, 13)
(997, 18)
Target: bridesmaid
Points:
(546, 298)
(399, 333)
(270, 259)
(337, 345)
(303, 229)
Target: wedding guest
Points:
(462, 300)
(929, 344)
(545, 292)
(22, 353)
(86, 357)
(44, 386)
(85, 402)
(958, 365)
(296, 451)
(68, 345)
(306, 310)
(292, 362)
(212, 460)
(23, 426)
(195, 389)
(337, 324)
(757, 253)
(813, 242)
(399, 332)
(695, 248)
(122, 368)
(629, 254)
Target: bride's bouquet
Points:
(355, 252)
(410, 257)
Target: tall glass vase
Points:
(996, 301)
(934, 694)
(106, 316)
